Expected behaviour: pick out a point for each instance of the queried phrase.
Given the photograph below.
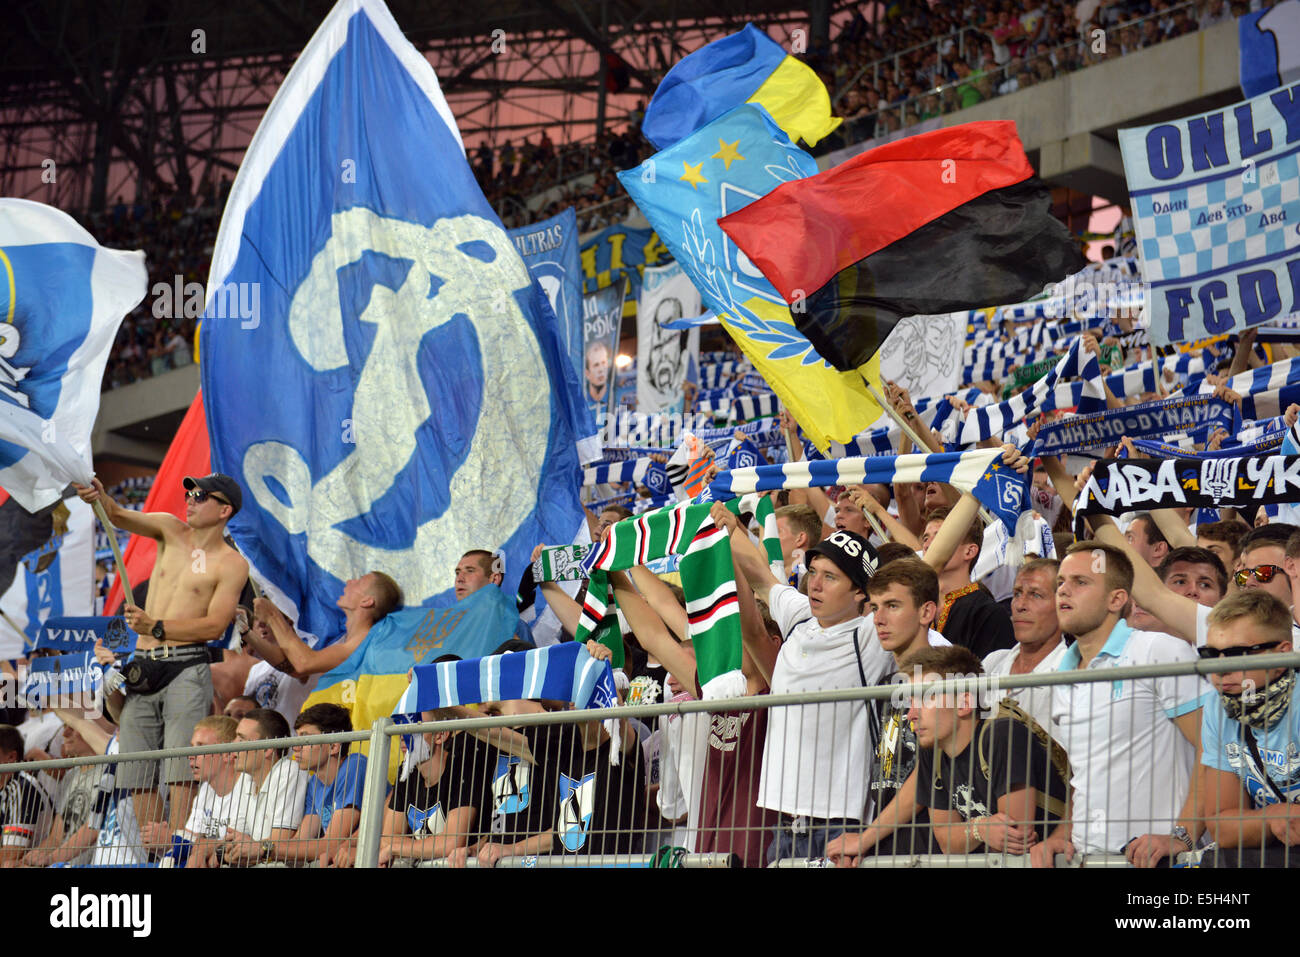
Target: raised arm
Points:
(898, 532)
(744, 553)
(951, 531)
(1177, 612)
(303, 660)
(155, 525)
(661, 599)
(651, 632)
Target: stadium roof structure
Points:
(152, 92)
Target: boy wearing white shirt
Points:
(279, 784)
(224, 795)
(904, 598)
(817, 759)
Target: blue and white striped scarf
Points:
(980, 471)
(1047, 393)
(643, 471)
(1264, 379)
(563, 672)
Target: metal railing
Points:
(392, 825)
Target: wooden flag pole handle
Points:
(117, 552)
(875, 523)
(11, 623)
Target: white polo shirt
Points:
(817, 758)
(1036, 701)
(1131, 766)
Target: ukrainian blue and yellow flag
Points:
(683, 191)
(374, 677)
(744, 67)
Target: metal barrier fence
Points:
(933, 773)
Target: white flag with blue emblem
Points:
(386, 392)
(62, 297)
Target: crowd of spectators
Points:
(923, 60)
(580, 175)
(177, 235)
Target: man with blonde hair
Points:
(1250, 731)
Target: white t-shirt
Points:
(1131, 766)
(817, 758)
(683, 749)
(119, 841)
(212, 813)
(273, 689)
(1036, 701)
(279, 801)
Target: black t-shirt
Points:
(464, 782)
(595, 808)
(1016, 759)
(895, 757)
(976, 621)
(516, 802)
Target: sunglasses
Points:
(1262, 573)
(198, 496)
(1207, 653)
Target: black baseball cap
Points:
(222, 485)
(851, 553)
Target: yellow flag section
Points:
(373, 679)
(366, 698)
(797, 100)
(829, 405)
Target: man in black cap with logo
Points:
(817, 758)
(192, 597)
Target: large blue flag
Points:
(377, 370)
(62, 298)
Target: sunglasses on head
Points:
(1207, 652)
(1262, 574)
(198, 496)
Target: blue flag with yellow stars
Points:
(683, 191)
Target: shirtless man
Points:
(193, 593)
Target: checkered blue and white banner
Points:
(1216, 205)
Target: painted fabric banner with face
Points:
(602, 320)
(665, 357)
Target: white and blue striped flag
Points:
(62, 298)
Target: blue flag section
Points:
(395, 396)
(563, 672)
(1216, 205)
(1269, 43)
(74, 678)
(550, 251)
(62, 298)
(80, 634)
(1097, 430)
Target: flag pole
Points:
(875, 523)
(985, 514)
(117, 551)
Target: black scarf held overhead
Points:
(1130, 485)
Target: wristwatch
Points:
(158, 631)
(1181, 834)
(268, 851)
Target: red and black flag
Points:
(948, 220)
